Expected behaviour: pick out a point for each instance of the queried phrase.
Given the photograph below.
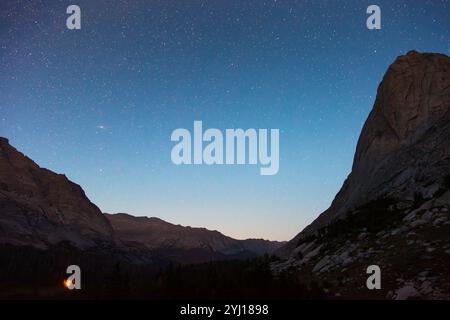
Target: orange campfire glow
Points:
(67, 283)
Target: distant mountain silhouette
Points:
(393, 209)
(42, 209)
(183, 243)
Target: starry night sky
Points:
(100, 104)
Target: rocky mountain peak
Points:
(393, 209)
(412, 97)
(403, 150)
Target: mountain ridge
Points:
(42, 208)
(155, 233)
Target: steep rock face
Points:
(404, 148)
(156, 234)
(39, 207)
(393, 209)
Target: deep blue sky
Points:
(99, 104)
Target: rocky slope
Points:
(393, 209)
(40, 208)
